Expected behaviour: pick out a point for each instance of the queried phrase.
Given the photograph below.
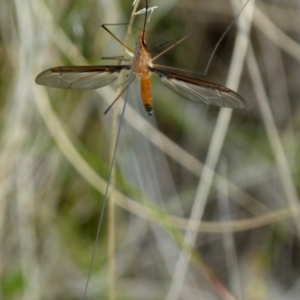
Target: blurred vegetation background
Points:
(204, 202)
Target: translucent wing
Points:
(80, 77)
(200, 91)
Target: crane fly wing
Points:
(200, 90)
(80, 77)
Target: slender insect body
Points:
(142, 70)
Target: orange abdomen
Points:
(146, 95)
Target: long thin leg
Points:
(120, 94)
(216, 47)
(172, 46)
(125, 46)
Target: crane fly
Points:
(94, 77)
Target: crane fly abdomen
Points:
(146, 94)
(142, 70)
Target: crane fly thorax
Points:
(143, 61)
